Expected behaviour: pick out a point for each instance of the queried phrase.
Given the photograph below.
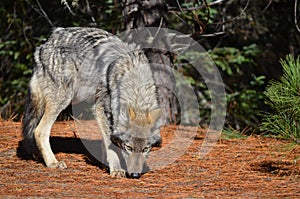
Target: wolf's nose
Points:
(135, 175)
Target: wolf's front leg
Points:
(114, 164)
(111, 154)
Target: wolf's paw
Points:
(117, 173)
(59, 164)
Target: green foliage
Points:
(191, 19)
(230, 133)
(243, 105)
(230, 59)
(193, 78)
(283, 97)
(16, 59)
(243, 97)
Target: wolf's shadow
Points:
(93, 150)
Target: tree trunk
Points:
(139, 14)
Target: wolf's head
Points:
(136, 135)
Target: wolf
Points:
(77, 64)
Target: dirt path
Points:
(254, 167)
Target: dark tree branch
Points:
(64, 2)
(180, 9)
(41, 11)
(295, 16)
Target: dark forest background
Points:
(245, 38)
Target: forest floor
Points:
(248, 167)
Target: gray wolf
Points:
(77, 64)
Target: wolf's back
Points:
(74, 45)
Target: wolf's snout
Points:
(135, 175)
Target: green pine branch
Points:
(283, 97)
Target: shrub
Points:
(243, 84)
(283, 98)
(243, 94)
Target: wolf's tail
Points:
(34, 110)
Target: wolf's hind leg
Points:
(42, 135)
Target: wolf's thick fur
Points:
(77, 64)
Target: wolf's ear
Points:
(131, 113)
(156, 138)
(116, 140)
(153, 116)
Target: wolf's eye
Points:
(127, 148)
(146, 149)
